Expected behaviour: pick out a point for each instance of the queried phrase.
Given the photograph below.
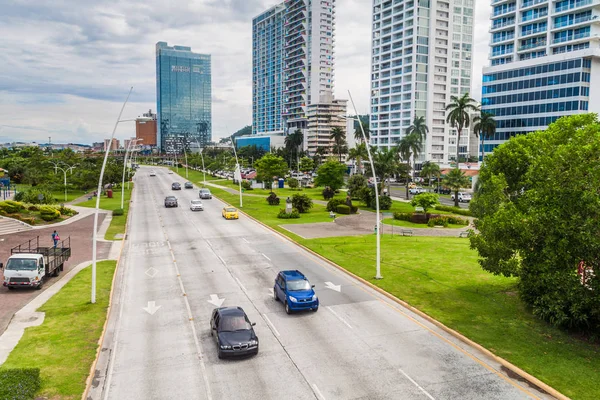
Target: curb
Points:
(90, 378)
(531, 380)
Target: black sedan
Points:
(188, 185)
(176, 186)
(233, 332)
(171, 201)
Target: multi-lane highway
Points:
(177, 265)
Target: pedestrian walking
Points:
(55, 238)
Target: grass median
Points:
(117, 224)
(64, 346)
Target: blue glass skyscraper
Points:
(183, 97)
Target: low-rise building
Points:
(322, 118)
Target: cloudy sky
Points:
(66, 65)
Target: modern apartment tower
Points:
(293, 63)
(421, 56)
(544, 57)
(183, 97)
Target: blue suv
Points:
(294, 290)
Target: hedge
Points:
(11, 207)
(334, 203)
(293, 215)
(118, 211)
(454, 210)
(343, 209)
(19, 384)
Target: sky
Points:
(66, 66)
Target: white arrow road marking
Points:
(215, 300)
(152, 308)
(245, 240)
(271, 292)
(152, 272)
(337, 288)
(417, 385)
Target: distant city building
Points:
(98, 146)
(421, 56)
(293, 63)
(544, 59)
(114, 145)
(263, 141)
(183, 90)
(146, 129)
(322, 118)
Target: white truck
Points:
(31, 264)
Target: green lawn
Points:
(408, 224)
(117, 225)
(441, 277)
(72, 194)
(64, 346)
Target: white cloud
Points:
(66, 66)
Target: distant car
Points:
(176, 186)
(462, 197)
(233, 332)
(189, 185)
(170, 172)
(171, 201)
(205, 194)
(196, 205)
(416, 190)
(230, 213)
(442, 190)
(293, 289)
(152, 173)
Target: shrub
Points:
(425, 200)
(28, 220)
(454, 210)
(343, 209)
(48, 213)
(246, 185)
(32, 196)
(11, 207)
(403, 216)
(437, 221)
(273, 200)
(355, 184)
(33, 208)
(19, 384)
(19, 196)
(293, 183)
(353, 209)
(293, 215)
(328, 193)
(302, 203)
(334, 203)
(118, 211)
(68, 211)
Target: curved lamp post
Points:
(68, 168)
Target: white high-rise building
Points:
(421, 56)
(544, 57)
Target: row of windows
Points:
(535, 83)
(540, 69)
(532, 96)
(539, 108)
(525, 122)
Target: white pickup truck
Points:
(31, 264)
(463, 197)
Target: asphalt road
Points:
(359, 345)
(400, 191)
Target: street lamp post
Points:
(378, 222)
(202, 156)
(132, 141)
(238, 170)
(68, 168)
(95, 231)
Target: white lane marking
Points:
(271, 325)
(318, 392)
(215, 300)
(241, 285)
(338, 317)
(245, 240)
(152, 308)
(271, 292)
(221, 258)
(416, 384)
(265, 256)
(209, 243)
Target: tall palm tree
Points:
(484, 127)
(319, 154)
(358, 136)
(386, 164)
(408, 146)
(458, 116)
(418, 126)
(293, 141)
(430, 169)
(339, 137)
(359, 154)
(455, 180)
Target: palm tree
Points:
(408, 146)
(386, 164)
(418, 126)
(321, 151)
(293, 141)
(455, 180)
(340, 148)
(458, 116)
(359, 154)
(339, 137)
(484, 127)
(430, 169)
(358, 136)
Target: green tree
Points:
(292, 144)
(356, 183)
(419, 127)
(359, 154)
(302, 203)
(338, 135)
(270, 166)
(306, 164)
(386, 164)
(537, 212)
(458, 116)
(319, 154)
(484, 127)
(455, 180)
(409, 145)
(358, 136)
(331, 174)
(425, 200)
(430, 169)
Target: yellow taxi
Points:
(230, 213)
